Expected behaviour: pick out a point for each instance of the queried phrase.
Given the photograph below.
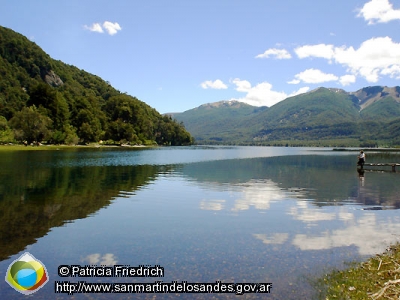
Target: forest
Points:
(47, 101)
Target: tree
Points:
(6, 134)
(51, 102)
(121, 131)
(90, 128)
(30, 125)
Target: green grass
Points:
(377, 278)
(19, 147)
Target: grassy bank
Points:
(15, 147)
(377, 278)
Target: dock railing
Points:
(393, 165)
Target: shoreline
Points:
(376, 278)
(17, 147)
(20, 147)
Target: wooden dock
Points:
(393, 165)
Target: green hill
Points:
(42, 99)
(319, 114)
(212, 121)
(387, 109)
(325, 116)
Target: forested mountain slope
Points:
(219, 117)
(45, 99)
(324, 116)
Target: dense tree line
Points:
(42, 99)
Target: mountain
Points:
(222, 117)
(45, 99)
(370, 95)
(324, 116)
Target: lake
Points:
(271, 215)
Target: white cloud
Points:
(300, 91)
(262, 93)
(393, 71)
(242, 85)
(313, 76)
(111, 28)
(375, 57)
(217, 84)
(95, 27)
(294, 81)
(347, 79)
(277, 53)
(320, 50)
(380, 11)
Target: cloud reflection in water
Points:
(260, 194)
(276, 238)
(107, 259)
(212, 204)
(343, 225)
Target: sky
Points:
(179, 54)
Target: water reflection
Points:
(310, 215)
(267, 219)
(276, 238)
(212, 204)
(366, 232)
(258, 194)
(324, 180)
(107, 259)
(322, 184)
(35, 197)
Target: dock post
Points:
(393, 168)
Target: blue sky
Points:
(176, 55)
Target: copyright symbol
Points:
(63, 271)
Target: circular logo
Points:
(27, 274)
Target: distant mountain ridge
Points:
(324, 116)
(370, 95)
(211, 121)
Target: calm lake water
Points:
(232, 214)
